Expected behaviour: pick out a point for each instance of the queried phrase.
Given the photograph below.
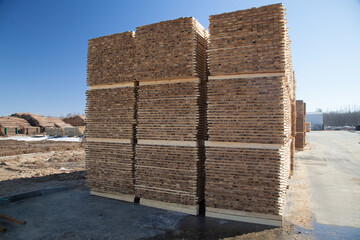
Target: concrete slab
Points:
(333, 165)
(75, 214)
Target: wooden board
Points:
(121, 197)
(192, 210)
(265, 219)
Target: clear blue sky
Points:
(43, 47)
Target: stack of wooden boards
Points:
(111, 116)
(151, 108)
(75, 121)
(300, 125)
(251, 89)
(37, 120)
(10, 126)
(171, 70)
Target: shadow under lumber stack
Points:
(171, 71)
(250, 91)
(111, 116)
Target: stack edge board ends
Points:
(110, 110)
(308, 126)
(171, 113)
(251, 92)
(300, 125)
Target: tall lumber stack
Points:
(250, 93)
(111, 116)
(171, 70)
(300, 125)
(10, 126)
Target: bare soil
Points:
(13, 147)
(43, 161)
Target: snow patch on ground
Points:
(42, 138)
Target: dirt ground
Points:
(14, 147)
(38, 165)
(39, 162)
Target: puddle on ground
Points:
(303, 231)
(200, 227)
(326, 232)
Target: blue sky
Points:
(43, 47)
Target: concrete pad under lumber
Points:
(122, 197)
(250, 217)
(192, 210)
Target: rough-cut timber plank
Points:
(242, 145)
(168, 81)
(109, 140)
(244, 217)
(193, 210)
(122, 197)
(109, 86)
(168, 143)
(253, 75)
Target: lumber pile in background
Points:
(251, 89)
(300, 125)
(171, 71)
(75, 121)
(110, 112)
(10, 126)
(41, 121)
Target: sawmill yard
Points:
(27, 166)
(75, 214)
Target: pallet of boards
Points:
(249, 115)
(171, 125)
(110, 116)
(246, 180)
(300, 125)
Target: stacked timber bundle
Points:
(300, 125)
(110, 116)
(75, 121)
(308, 126)
(10, 126)
(171, 70)
(251, 89)
(41, 121)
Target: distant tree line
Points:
(348, 117)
